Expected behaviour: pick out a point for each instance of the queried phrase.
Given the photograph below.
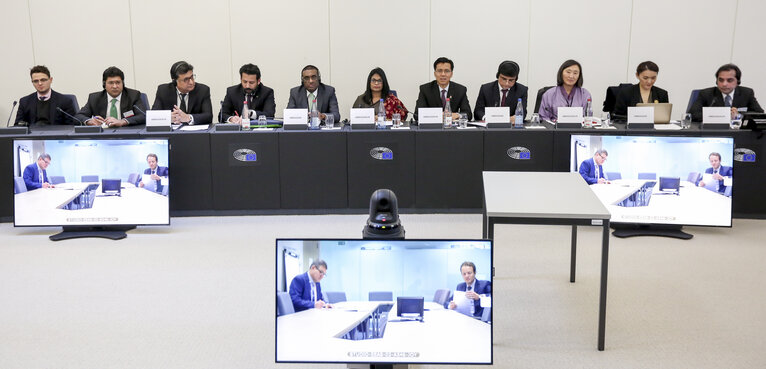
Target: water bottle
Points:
(245, 116)
(588, 114)
(519, 120)
(447, 115)
(381, 115)
(314, 115)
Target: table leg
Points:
(602, 298)
(573, 257)
(484, 225)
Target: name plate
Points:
(569, 114)
(362, 116)
(640, 114)
(721, 115)
(296, 116)
(430, 115)
(158, 118)
(497, 115)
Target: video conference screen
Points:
(86, 182)
(659, 180)
(384, 301)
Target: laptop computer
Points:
(661, 111)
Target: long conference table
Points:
(336, 171)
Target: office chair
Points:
(692, 99)
(89, 178)
(647, 175)
(145, 100)
(334, 296)
(393, 92)
(539, 98)
(611, 97)
(441, 297)
(381, 296)
(133, 178)
(18, 185)
(613, 175)
(57, 179)
(284, 304)
(165, 190)
(694, 178)
(74, 100)
(486, 315)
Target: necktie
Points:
(158, 183)
(311, 101)
(444, 98)
(727, 101)
(505, 94)
(313, 292)
(473, 307)
(42, 98)
(113, 109)
(598, 172)
(41, 177)
(183, 102)
(717, 183)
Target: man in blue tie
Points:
(718, 172)
(35, 174)
(591, 170)
(156, 172)
(305, 289)
(473, 288)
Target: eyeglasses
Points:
(47, 161)
(310, 78)
(189, 79)
(376, 81)
(41, 80)
(602, 156)
(114, 83)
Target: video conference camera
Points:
(384, 217)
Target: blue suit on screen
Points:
(161, 171)
(724, 171)
(32, 177)
(300, 292)
(588, 171)
(481, 288)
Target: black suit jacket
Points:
(430, 97)
(631, 95)
(28, 109)
(743, 97)
(97, 106)
(198, 104)
(262, 102)
(328, 102)
(489, 96)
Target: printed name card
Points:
(497, 114)
(640, 114)
(362, 116)
(716, 115)
(296, 116)
(430, 115)
(569, 114)
(158, 118)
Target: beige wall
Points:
(689, 39)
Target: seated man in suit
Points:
(260, 99)
(305, 289)
(156, 173)
(188, 100)
(727, 92)
(41, 107)
(114, 106)
(506, 91)
(474, 288)
(591, 170)
(718, 172)
(311, 89)
(35, 174)
(435, 93)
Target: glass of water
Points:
(463, 120)
(606, 119)
(736, 123)
(329, 121)
(396, 120)
(262, 120)
(535, 120)
(686, 123)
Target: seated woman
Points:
(567, 93)
(377, 88)
(643, 92)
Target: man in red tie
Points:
(505, 91)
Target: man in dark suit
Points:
(156, 172)
(35, 174)
(728, 93)
(41, 107)
(506, 91)
(305, 289)
(311, 89)
(591, 169)
(114, 106)
(259, 97)
(718, 172)
(188, 100)
(435, 93)
(473, 288)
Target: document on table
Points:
(463, 303)
(201, 127)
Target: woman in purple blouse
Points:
(568, 91)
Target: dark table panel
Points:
(313, 169)
(381, 159)
(448, 166)
(518, 150)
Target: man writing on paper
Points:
(188, 100)
(305, 289)
(35, 174)
(155, 174)
(40, 107)
(114, 105)
(473, 289)
(435, 93)
(312, 89)
(716, 172)
(260, 99)
(591, 169)
(506, 91)
(727, 92)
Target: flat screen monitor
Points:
(417, 326)
(667, 180)
(72, 182)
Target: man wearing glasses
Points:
(305, 289)
(312, 89)
(35, 174)
(188, 100)
(40, 107)
(260, 99)
(591, 170)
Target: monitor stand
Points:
(623, 230)
(110, 232)
(377, 366)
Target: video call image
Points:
(406, 301)
(659, 180)
(91, 182)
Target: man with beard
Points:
(260, 99)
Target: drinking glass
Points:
(736, 123)
(686, 123)
(463, 120)
(535, 120)
(606, 119)
(396, 120)
(262, 120)
(329, 121)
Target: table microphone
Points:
(70, 116)
(135, 106)
(8, 123)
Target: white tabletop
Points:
(541, 195)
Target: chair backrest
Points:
(334, 296)
(613, 175)
(486, 314)
(74, 101)
(647, 175)
(727, 191)
(539, 98)
(57, 179)
(89, 178)
(393, 92)
(145, 100)
(441, 297)
(284, 304)
(165, 190)
(694, 177)
(18, 185)
(133, 178)
(381, 296)
(692, 99)
(611, 97)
